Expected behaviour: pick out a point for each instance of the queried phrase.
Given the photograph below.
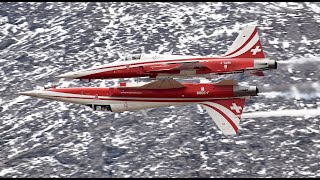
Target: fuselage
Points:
(117, 99)
(172, 66)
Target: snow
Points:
(20, 98)
(286, 44)
(294, 78)
(176, 141)
(3, 172)
(166, 120)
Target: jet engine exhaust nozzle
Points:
(272, 64)
(264, 64)
(245, 91)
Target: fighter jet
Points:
(224, 101)
(245, 55)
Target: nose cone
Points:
(29, 93)
(70, 75)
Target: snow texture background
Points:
(41, 138)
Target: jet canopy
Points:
(147, 56)
(133, 57)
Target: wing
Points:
(158, 84)
(226, 114)
(257, 73)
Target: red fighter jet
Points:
(224, 101)
(244, 55)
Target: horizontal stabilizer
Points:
(257, 73)
(159, 84)
(226, 114)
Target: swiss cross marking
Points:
(235, 107)
(255, 50)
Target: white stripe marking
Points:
(220, 121)
(240, 40)
(51, 93)
(253, 41)
(226, 111)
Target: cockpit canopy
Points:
(133, 57)
(147, 56)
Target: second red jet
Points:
(224, 101)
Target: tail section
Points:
(246, 45)
(226, 114)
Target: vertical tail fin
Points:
(226, 114)
(246, 45)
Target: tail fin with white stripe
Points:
(226, 114)
(246, 45)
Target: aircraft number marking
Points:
(202, 91)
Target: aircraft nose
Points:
(29, 93)
(68, 75)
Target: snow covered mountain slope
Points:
(42, 138)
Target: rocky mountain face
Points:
(41, 138)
